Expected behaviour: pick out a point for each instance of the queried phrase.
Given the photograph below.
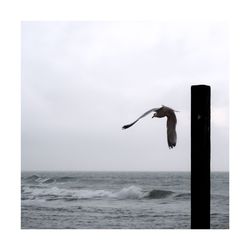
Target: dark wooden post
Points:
(200, 157)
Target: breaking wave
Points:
(55, 193)
(35, 179)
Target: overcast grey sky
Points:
(82, 81)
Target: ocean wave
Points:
(35, 179)
(158, 194)
(32, 177)
(65, 179)
(55, 193)
(183, 196)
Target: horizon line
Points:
(117, 171)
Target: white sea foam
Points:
(131, 192)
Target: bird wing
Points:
(146, 113)
(171, 129)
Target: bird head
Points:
(154, 115)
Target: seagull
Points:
(171, 122)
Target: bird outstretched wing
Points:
(171, 129)
(146, 113)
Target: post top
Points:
(200, 86)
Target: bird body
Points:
(171, 122)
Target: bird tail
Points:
(128, 125)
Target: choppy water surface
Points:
(116, 200)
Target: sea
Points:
(116, 200)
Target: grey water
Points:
(116, 200)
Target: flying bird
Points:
(171, 122)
